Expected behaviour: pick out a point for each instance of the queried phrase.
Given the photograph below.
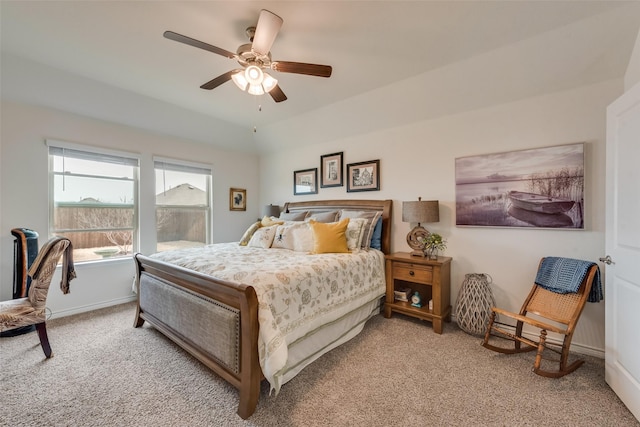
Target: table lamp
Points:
(271, 210)
(422, 211)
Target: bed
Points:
(225, 314)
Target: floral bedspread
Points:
(297, 292)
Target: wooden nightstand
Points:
(431, 278)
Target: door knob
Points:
(607, 260)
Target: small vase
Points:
(431, 253)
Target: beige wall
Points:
(632, 76)
(24, 193)
(417, 160)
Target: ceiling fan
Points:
(255, 59)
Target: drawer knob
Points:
(411, 273)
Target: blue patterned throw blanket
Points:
(564, 275)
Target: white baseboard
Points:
(575, 347)
(91, 307)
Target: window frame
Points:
(178, 165)
(95, 154)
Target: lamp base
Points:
(415, 240)
(421, 254)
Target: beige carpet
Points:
(397, 372)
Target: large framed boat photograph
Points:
(538, 187)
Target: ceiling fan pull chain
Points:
(259, 108)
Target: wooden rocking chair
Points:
(554, 312)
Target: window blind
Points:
(172, 165)
(94, 156)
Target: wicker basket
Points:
(474, 302)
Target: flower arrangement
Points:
(434, 243)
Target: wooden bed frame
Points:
(230, 308)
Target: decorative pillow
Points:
(268, 221)
(324, 216)
(329, 237)
(371, 216)
(376, 238)
(302, 239)
(263, 237)
(284, 238)
(293, 216)
(247, 234)
(354, 232)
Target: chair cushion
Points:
(19, 312)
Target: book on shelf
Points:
(403, 294)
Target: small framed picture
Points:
(305, 181)
(363, 176)
(237, 199)
(331, 170)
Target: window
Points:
(183, 208)
(93, 200)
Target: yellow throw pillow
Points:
(267, 221)
(329, 237)
(247, 234)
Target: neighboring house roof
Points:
(183, 194)
(87, 200)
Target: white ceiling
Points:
(394, 62)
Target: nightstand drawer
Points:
(413, 272)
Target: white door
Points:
(622, 286)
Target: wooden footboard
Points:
(214, 320)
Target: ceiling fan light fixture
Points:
(239, 80)
(254, 75)
(256, 90)
(268, 83)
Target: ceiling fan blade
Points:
(223, 78)
(266, 31)
(197, 43)
(277, 94)
(302, 68)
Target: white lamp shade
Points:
(239, 80)
(254, 75)
(269, 82)
(255, 89)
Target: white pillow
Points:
(302, 239)
(263, 237)
(354, 232)
(284, 236)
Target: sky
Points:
(519, 164)
(72, 188)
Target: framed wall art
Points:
(305, 181)
(363, 176)
(538, 187)
(237, 199)
(331, 170)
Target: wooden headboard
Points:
(317, 206)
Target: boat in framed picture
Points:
(540, 203)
